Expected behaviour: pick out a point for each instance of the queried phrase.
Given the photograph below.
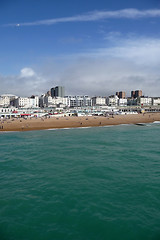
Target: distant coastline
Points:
(75, 122)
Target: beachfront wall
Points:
(8, 112)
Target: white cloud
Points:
(26, 83)
(131, 64)
(143, 51)
(130, 13)
(27, 72)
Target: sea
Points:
(99, 183)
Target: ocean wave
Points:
(156, 122)
(1, 132)
(53, 129)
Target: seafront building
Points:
(122, 102)
(54, 102)
(67, 101)
(136, 93)
(98, 101)
(5, 99)
(48, 101)
(78, 101)
(156, 101)
(121, 94)
(131, 101)
(75, 101)
(58, 91)
(26, 102)
(144, 101)
(112, 100)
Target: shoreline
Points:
(75, 122)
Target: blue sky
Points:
(90, 47)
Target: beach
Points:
(30, 124)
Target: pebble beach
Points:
(30, 124)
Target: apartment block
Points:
(78, 101)
(98, 101)
(26, 102)
(121, 94)
(136, 93)
(144, 101)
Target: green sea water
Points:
(81, 184)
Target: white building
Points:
(78, 101)
(48, 101)
(98, 101)
(5, 99)
(59, 100)
(156, 101)
(112, 100)
(144, 101)
(27, 102)
(122, 102)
